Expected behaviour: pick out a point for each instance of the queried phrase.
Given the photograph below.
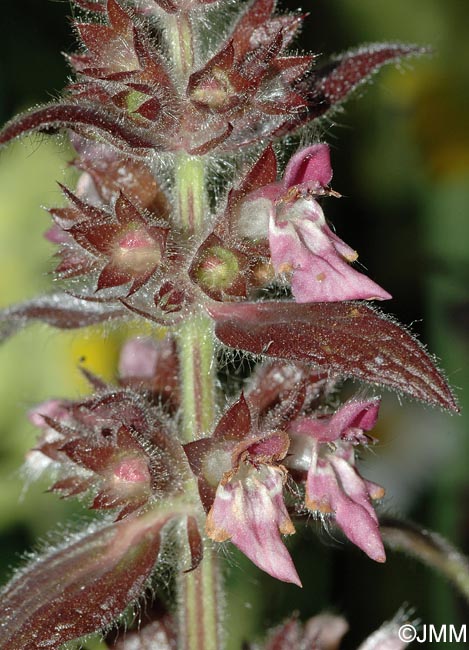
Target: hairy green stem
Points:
(199, 598)
(199, 591)
(197, 363)
(190, 192)
(200, 602)
(181, 42)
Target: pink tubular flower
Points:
(249, 510)
(301, 243)
(333, 484)
(247, 507)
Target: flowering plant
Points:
(241, 259)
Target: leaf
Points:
(332, 84)
(58, 310)
(335, 81)
(349, 339)
(75, 116)
(80, 587)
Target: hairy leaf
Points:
(80, 587)
(349, 339)
(336, 80)
(59, 310)
(332, 83)
(74, 116)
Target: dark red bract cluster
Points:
(249, 89)
(131, 247)
(117, 445)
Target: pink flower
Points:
(301, 243)
(333, 484)
(250, 512)
(247, 507)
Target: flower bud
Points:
(219, 270)
(214, 92)
(136, 252)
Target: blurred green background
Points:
(401, 160)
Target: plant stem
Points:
(199, 591)
(199, 606)
(190, 192)
(196, 359)
(181, 42)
